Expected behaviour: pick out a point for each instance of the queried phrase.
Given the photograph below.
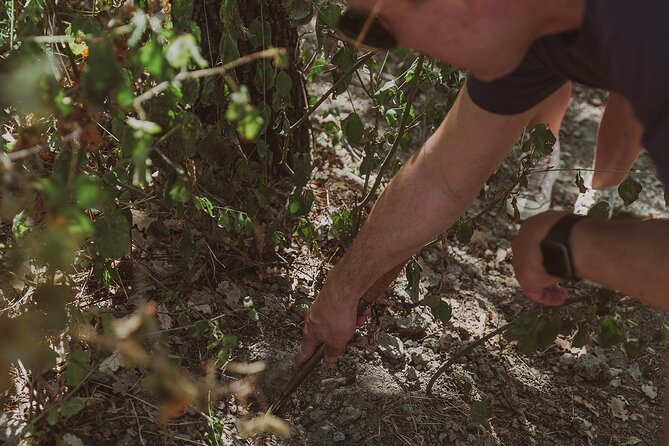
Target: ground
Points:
(376, 393)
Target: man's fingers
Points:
(554, 295)
(332, 353)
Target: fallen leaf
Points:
(617, 407)
(141, 219)
(72, 440)
(111, 363)
(587, 404)
(634, 371)
(649, 390)
(163, 317)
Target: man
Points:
(521, 55)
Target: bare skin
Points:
(618, 142)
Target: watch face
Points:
(556, 259)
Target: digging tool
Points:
(302, 373)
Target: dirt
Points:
(376, 394)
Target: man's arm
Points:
(627, 255)
(426, 197)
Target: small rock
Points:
(567, 360)
(391, 346)
(591, 368)
(338, 437)
(348, 415)
(485, 371)
(318, 415)
(412, 374)
(634, 371)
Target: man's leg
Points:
(618, 142)
(536, 197)
(618, 146)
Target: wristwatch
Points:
(555, 248)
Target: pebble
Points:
(591, 368)
(338, 437)
(318, 415)
(412, 374)
(348, 415)
(391, 346)
(567, 360)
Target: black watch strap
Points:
(556, 250)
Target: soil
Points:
(375, 394)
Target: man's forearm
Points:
(409, 214)
(627, 255)
(429, 193)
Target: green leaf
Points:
(629, 190)
(153, 60)
(284, 84)
(71, 406)
(52, 416)
(77, 367)
(112, 234)
(481, 411)
(148, 127)
(601, 209)
(204, 204)
(464, 230)
(353, 128)
(182, 50)
(260, 33)
(441, 309)
(611, 332)
(413, 273)
(329, 15)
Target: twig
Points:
(413, 89)
(472, 345)
(215, 71)
(334, 87)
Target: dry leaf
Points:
(617, 407)
(111, 363)
(649, 390)
(163, 317)
(587, 404)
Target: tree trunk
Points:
(283, 35)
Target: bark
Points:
(283, 35)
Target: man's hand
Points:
(331, 320)
(527, 261)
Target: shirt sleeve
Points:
(529, 84)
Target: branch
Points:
(215, 71)
(413, 89)
(472, 345)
